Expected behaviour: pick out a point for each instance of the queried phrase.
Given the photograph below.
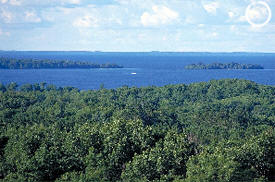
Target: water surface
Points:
(151, 69)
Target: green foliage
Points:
(121, 141)
(166, 160)
(235, 160)
(222, 130)
(11, 63)
(223, 66)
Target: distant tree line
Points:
(223, 66)
(11, 63)
(216, 131)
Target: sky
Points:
(138, 25)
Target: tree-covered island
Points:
(232, 65)
(11, 63)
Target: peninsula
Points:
(11, 63)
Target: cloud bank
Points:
(134, 25)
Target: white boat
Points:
(133, 73)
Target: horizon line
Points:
(98, 51)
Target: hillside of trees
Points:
(221, 130)
(223, 66)
(11, 63)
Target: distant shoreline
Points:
(160, 52)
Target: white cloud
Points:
(76, 2)
(7, 16)
(2, 33)
(214, 34)
(15, 2)
(3, 1)
(201, 25)
(231, 14)
(189, 20)
(91, 25)
(257, 13)
(12, 2)
(161, 15)
(233, 28)
(242, 19)
(236, 14)
(31, 16)
(238, 30)
(44, 3)
(86, 22)
(211, 7)
(144, 4)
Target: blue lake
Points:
(140, 69)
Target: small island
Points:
(11, 63)
(222, 66)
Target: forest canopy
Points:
(223, 66)
(221, 130)
(12, 63)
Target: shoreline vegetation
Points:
(221, 130)
(11, 63)
(232, 65)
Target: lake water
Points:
(140, 69)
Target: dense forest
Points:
(223, 66)
(221, 130)
(12, 63)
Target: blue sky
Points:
(136, 25)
